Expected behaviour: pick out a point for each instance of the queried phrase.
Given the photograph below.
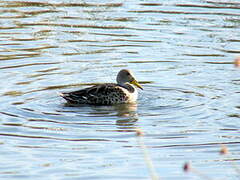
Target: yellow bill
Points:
(134, 82)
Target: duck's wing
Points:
(98, 94)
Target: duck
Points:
(124, 91)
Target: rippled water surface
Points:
(180, 51)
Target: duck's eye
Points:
(128, 73)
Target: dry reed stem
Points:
(147, 158)
(188, 168)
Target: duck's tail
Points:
(70, 98)
(65, 96)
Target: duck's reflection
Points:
(128, 115)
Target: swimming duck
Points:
(107, 94)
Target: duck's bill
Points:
(134, 82)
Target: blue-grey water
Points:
(180, 51)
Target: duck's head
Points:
(126, 76)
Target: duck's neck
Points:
(129, 87)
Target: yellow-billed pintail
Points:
(107, 94)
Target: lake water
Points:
(180, 51)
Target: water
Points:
(180, 51)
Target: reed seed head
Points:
(187, 167)
(139, 132)
(224, 150)
(237, 62)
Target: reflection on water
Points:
(181, 51)
(129, 114)
(126, 112)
